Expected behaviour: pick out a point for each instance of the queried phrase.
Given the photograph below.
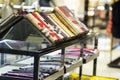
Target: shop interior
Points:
(96, 15)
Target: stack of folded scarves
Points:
(46, 68)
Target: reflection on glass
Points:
(21, 36)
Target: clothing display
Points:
(52, 44)
(47, 68)
(72, 54)
(73, 28)
(47, 26)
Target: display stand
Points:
(37, 54)
(29, 29)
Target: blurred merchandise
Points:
(75, 76)
(7, 9)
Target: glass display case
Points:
(26, 39)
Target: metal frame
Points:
(37, 54)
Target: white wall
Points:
(76, 5)
(58, 2)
